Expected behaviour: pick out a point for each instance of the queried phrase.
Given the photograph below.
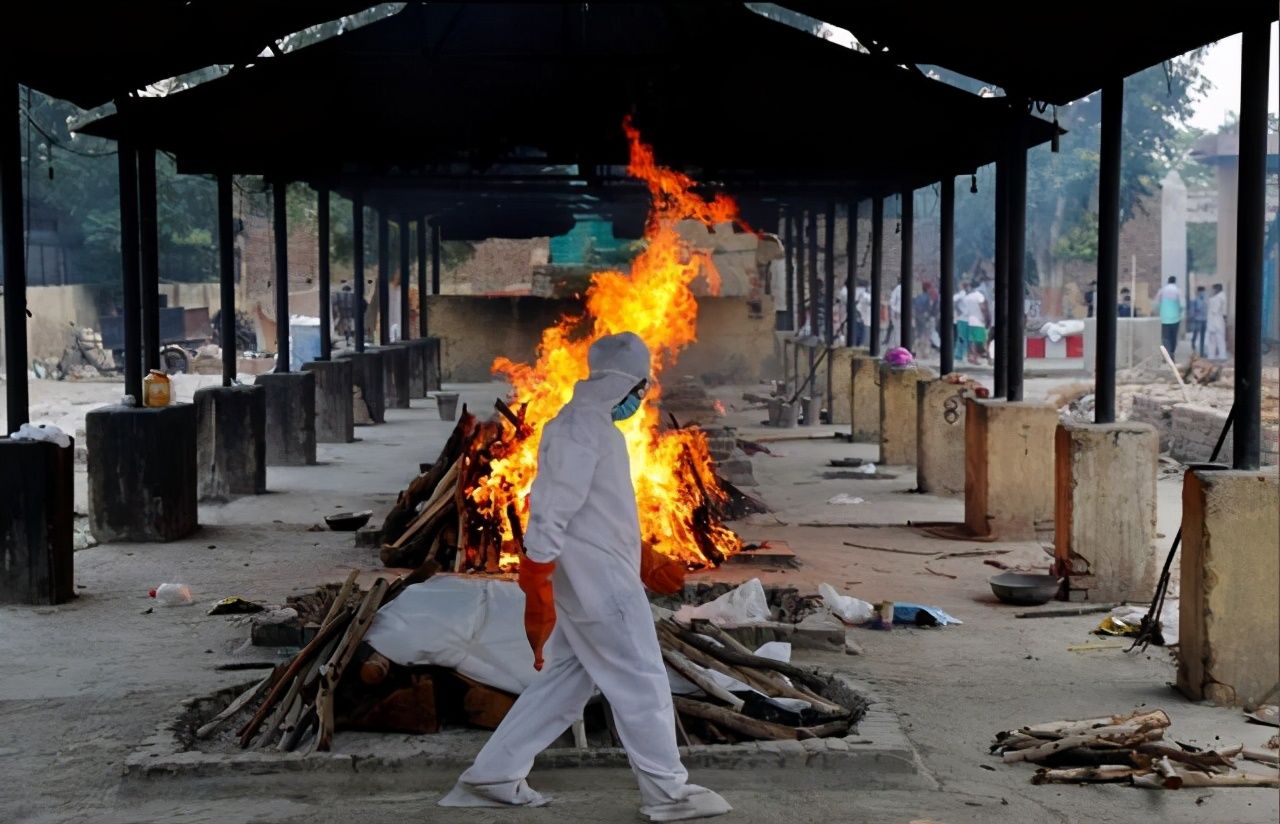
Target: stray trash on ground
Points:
(845, 498)
(845, 607)
(747, 604)
(173, 595)
(235, 605)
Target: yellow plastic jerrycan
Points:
(155, 389)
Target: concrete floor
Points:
(82, 684)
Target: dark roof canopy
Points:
(90, 51)
(447, 90)
(1054, 52)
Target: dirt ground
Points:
(82, 684)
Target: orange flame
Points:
(671, 470)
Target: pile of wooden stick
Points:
(1127, 748)
(722, 716)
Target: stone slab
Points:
(335, 415)
(898, 412)
(291, 417)
(36, 515)
(940, 408)
(1009, 468)
(231, 441)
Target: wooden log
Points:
(291, 706)
(375, 669)
(1080, 775)
(442, 496)
(827, 730)
(307, 720)
(421, 487)
(690, 672)
(1261, 756)
(1128, 736)
(1192, 778)
(410, 709)
(1211, 760)
(340, 600)
(235, 706)
(1059, 729)
(331, 673)
(483, 705)
(728, 719)
(749, 659)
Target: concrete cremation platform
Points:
(231, 441)
(898, 412)
(142, 472)
(865, 399)
(1009, 477)
(1105, 507)
(291, 417)
(940, 425)
(36, 513)
(419, 355)
(395, 376)
(335, 415)
(1229, 617)
(366, 375)
(841, 377)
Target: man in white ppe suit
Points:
(584, 531)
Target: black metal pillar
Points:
(829, 276)
(405, 333)
(815, 283)
(1015, 347)
(131, 311)
(384, 279)
(357, 264)
(436, 240)
(422, 277)
(149, 256)
(326, 311)
(789, 239)
(1250, 229)
(908, 221)
(227, 279)
(877, 259)
(17, 405)
(280, 231)
(947, 277)
(801, 274)
(1107, 294)
(999, 315)
(850, 277)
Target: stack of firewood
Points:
(1126, 748)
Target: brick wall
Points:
(1194, 430)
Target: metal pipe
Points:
(850, 276)
(1250, 229)
(149, 256)
(326, 311)
(1015, 347)
(227, 278)
(1000, 297)
(1106, 296)
(877, 259)
(422, 277)
(127, 163)
(405, 333)
(829, 275)
(947, 277)
(17, 406)
(280, 232)
(357, 264)
(907, 275)
(384, 278)
(436, 241)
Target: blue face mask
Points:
(627, 407)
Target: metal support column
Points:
(947, 277)
(326, 311)
(1107, 294)
(788, 242)
(829, 276)
(357, 264)
(999, 315)
(801, 289)
(1250, 228)
(815, 306)
(436, 240)
(422, 277)
(907, 275)
(149, 257)
(850, 276)
(17, 406)
(877, 259)
(405, 333)
(227, 279)
(384, 279)
(280, 231)
(131, 311)
(1015, 346)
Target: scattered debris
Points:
(1095, 647)
(845, 498)
(234, 605)
(1064, 613)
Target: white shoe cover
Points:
(700, 803)
(511, 794)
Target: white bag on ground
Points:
(746, 604)
(847, 608)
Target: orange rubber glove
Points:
(539, 604)
(660, 573)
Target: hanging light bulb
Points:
(973, 184)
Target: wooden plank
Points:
(483, 705)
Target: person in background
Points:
(862, 313)
(1125, 307)
(1091, 296)
(961, 330)
(1170, 302)
(895, 316)
(977, 315)
(1216, 324)
(1197, 320)
(924, 307)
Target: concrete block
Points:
(335, 416)
(1105, 507)
(940, 438)
(1194, 429)
(366, 375)
(417, 381)
(36, 514)
(1229, 621)
(865, 402)
(395, 376)
(841, 380)
(142, 472)
(1008, 457)
(898, 412)
(231, 441)
(291, 417)
(433, 364)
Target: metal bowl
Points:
(1024, 588)
(348, 521)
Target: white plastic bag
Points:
(746, 604)
(42, 432)
(173, 595)
(847, 608)
(845, 498)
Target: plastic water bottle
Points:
(173, 595)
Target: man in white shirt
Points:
(862, 306)
(895, 315)
(975, 315)
(961, 331)
(1217, 324)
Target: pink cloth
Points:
(898, 356)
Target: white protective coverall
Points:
(583, 516)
